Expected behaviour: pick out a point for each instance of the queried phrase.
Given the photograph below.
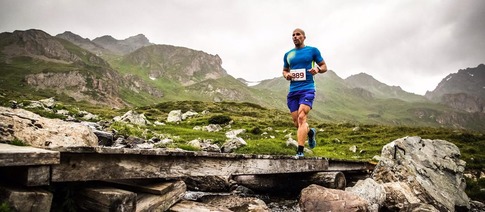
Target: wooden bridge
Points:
(41, 166)
(29, 168)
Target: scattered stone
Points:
(236, 203)
(353, 148)
(35, 104)
(132, 141)
(212, 128)
(49, 103)
(371, 191)
(189, 114)
(143, 146)
(158, 123)
(132, 117)
(174, 116)
(104, 138)
(233, 143)
(290, 142)
(62, 112)
(205, 145)
(87, 115)
(234, 133)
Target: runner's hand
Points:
(288, 76)
(314, 71)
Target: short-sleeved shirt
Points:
(302, 58)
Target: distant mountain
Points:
(184, 73)
(84, 43)
(381, 90)
(122, 47)
(179, 64)
(464, 90)
(35, 63)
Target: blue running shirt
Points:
(302, 59)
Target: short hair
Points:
(301, 31)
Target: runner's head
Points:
(298, 37)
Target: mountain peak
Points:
(363, 80)
(35, 43)
(122, 47)
(139, 37)
(379, 89)
(470, 81)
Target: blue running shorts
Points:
(296, 98)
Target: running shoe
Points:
(299, 155)
(312, 138)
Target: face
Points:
(298, 37)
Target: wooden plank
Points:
(11, 155)
(158, 188)
(107, 164)
(150, 202)
(342, 165)
(106, 199)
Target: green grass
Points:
(5, 207)
(266, 130)
(18, 142)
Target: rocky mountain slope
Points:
(35, 63)
(122, 47)
(464, 90)
(381, 90)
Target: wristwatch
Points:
(319, 69)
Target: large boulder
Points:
(371, 191)
(319, 198)
(424, 173)
(37, 131)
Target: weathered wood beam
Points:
(291, 182)
(162, 202)
(97, 163)
(11, 155)
(344, 165)
(106, 199)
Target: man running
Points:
(299, 67)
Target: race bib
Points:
(298, 74)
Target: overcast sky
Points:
(409, 43)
